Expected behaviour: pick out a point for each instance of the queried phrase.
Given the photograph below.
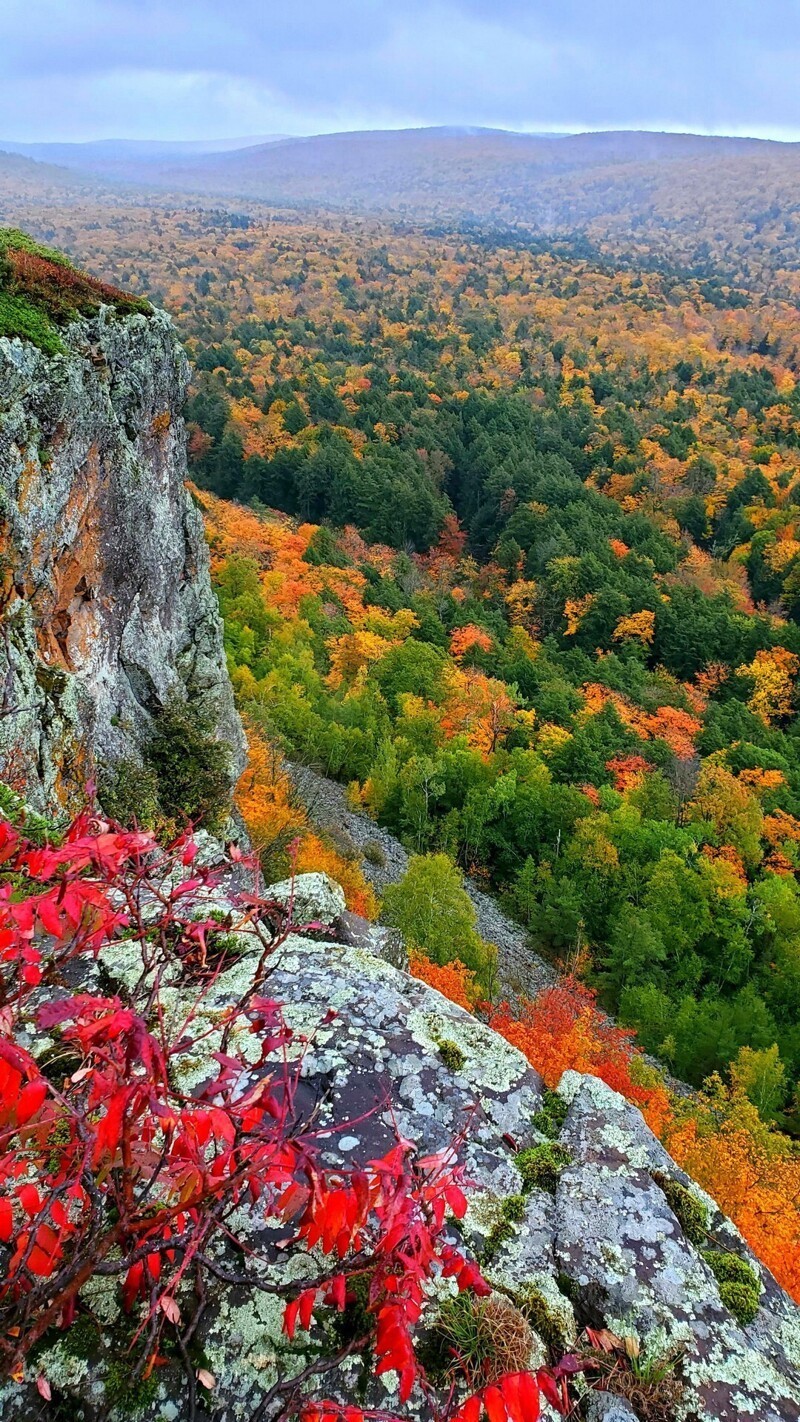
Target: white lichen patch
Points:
(246, 1351)
(490, 1062)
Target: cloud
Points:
(157, 68)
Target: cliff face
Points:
(105, 597)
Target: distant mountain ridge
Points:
(86, 154)
(679, 198)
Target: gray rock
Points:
(108, 605)
(385, 943)
(604, 1407)
(309, 898)
(633, 1269)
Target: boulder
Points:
(309, 898)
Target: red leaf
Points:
(31, 1098)
(549, 1387)
(6, 1219)
(44, 1388)
(28, 1197)
(306, 1302)
(494, 1404)
(470, 1411)
(521, 1396)
(132, 1285)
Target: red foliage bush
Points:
(108, 1169)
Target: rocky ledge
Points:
(576, 1212)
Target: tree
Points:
(434, 913)
(761, 1076)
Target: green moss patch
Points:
(511, 1211)
(451, 1054)
(691, 1213)
(549, 1119)
(40, 291)
(738, 1283)
(543, 1320)
(541, 1165)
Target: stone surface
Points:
(604, 1249)
(310, 898)
(604, 1407)
(386, 943)
(105, 600)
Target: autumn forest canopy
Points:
(505, 532)
(558, 637)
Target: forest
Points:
(506, 538)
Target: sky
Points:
(73, 70)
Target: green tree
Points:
(434, 913)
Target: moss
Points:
(59, 1134)
(355, 1322)
(738, 1283)
(543, 1320)
(127, 1393)
(549, 1119)
(741, 1300)
(451, 1054)
(568, 1288)
(41, 290)
(82, 1339)
(691, 1213)
(541, 1165)
(511, 1211)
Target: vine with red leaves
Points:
(110, 1170)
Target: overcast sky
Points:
(81, 69)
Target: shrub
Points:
(434, 913)
(19, 317)
(79, 1198)
(191, 766)
(128, 792)
(452, 980)
(374, 854)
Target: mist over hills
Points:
(679, 198)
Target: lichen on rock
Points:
(106, 605)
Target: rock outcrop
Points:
(599, 1237)
(106, 606)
